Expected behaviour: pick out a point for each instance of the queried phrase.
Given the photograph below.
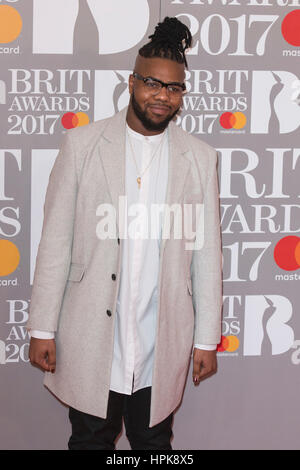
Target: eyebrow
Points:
(164, 83)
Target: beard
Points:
(146, 121)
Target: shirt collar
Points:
(144, 138)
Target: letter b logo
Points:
(266, 330)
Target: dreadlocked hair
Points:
(170, 40)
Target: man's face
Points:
(155, 111)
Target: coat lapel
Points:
(178, 169)
(112, 154)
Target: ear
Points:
(130, 83)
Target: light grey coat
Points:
(73, 286)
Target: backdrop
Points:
(66, 63)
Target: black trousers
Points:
(91, 432)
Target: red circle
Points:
(227, 120)
(284, 253)
(223, 345)
(290, 28)
(68, 120)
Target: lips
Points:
(159, 109)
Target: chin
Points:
(157, 124)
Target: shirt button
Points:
(108, 313)
(118, 241)
(113, 276)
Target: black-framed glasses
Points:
(154, 85)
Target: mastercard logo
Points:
(228, 343)
(233, 120)
(290, 28)
(71, 120)
(287, 253)
(10, 24)
(9, 256)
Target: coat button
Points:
(113, 276)
(108, 313)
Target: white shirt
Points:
(137, 299)
(135, 323)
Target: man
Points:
(125, 310)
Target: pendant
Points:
(139, 181)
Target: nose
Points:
(163, 94)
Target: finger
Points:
(52, 360)
(196, 372)
(204, 374)
(41, 360)
(44, 364)
(196, 380)
(207, 371)
(196, 369)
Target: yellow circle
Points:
(10, 24)
(240, 120)
(9, 257)
(83, 119)
(233, 343)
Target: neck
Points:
(135, 124)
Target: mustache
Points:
(161, 105)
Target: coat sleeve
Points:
(206, 266)
(54, 251)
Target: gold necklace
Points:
(139, 178)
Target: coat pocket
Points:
(76, 272)
(189, 286)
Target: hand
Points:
(42, 353)
(204, 364)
